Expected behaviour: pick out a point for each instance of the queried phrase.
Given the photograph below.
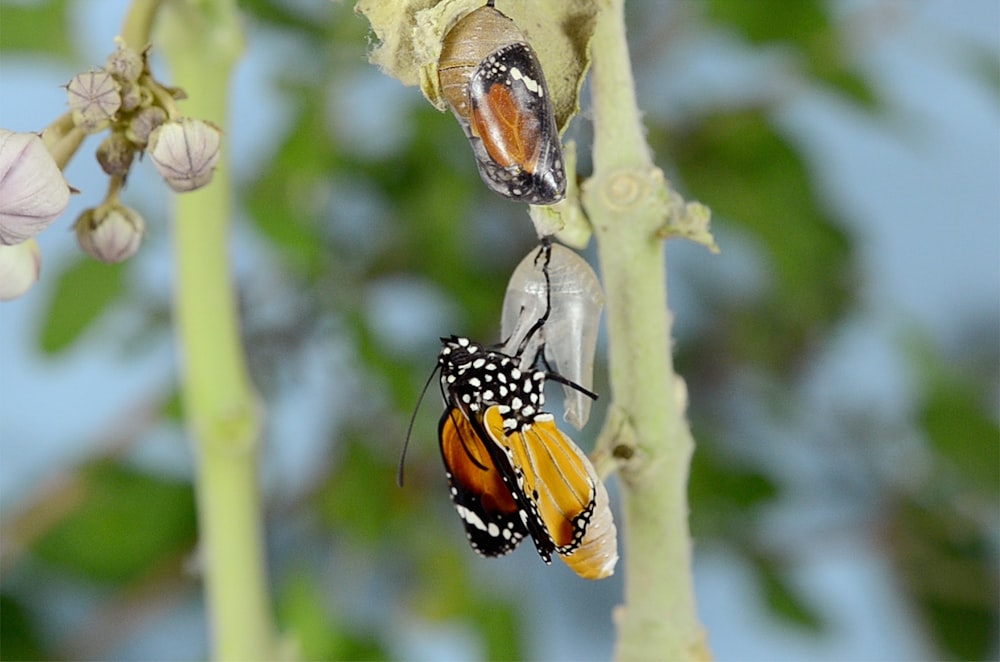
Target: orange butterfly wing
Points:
(566, 498)
(479, 490)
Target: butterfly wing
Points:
(568, 506)
(478, 487)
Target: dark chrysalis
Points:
(491, 79)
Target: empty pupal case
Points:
(570, 332)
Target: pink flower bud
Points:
(33, 191)
(94, 98)
(20, 266)
(110, 233)
(185, 153)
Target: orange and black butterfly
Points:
(512, 472)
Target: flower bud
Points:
(133, 95)
(110, 233)
(185, 153)
(143, 124)
(125, 63)
(115, 154)
(94, 98)
(20, 265)
(33, 191)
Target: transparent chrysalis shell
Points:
(569, 334)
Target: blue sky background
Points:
(921, 195)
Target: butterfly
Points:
(511, 471)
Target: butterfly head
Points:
(474, 377)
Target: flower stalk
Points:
(646, 434)
(63, 139)
(202, 41)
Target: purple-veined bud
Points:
(125, 63)
(110, 233)
(33, 191)
(185, 153)
(569, 335)
(20, 266)
(115, 154)
(143, 124)
(94, 98)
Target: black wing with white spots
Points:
(478, 483)
(475, 379)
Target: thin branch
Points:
(626, 200)
(202, 41)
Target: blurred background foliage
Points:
(371, 235)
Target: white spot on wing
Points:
(471, 518)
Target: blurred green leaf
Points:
(126, 524)
(724, 499)
(84, 291)
(443, 571)
(283, 201)
(361, 497)
(763, 21)
(982, 63)
(806, 27)
(445, 592)
(962, 432)
(849, 84)
(948, 566)
(954, 412)
(304, 615)
(38, 27)
(173, 408)
(499, 623)
(18, 640)
(737, 164)
(722, 495)
(783, 600)
(277, 13)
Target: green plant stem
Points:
(64, 148)
(139, 22)
(202, 41)
(626, 201)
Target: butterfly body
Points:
(477, 378)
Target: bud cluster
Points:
(140, 115)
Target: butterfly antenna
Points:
(409, 428)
